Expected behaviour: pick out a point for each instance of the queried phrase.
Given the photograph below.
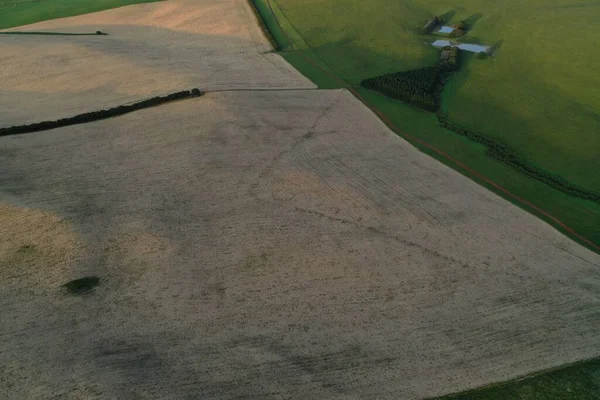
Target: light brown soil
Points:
(36, 251)
(266, 245)
(278, 245)
(152, 49)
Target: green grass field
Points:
(540, 93)
(373, 51)
(22, 12)
(576, 382)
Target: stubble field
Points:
(302, 250)
(151, 50)
(269, 244)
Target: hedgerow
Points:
(98, 115)
(506, 155)
(422, 88)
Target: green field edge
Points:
(260, 15)
(583, 216)
(556, 379)
(474, 156)
(291, 46)
(26, 13)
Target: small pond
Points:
(475, 48)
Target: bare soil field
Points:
(152, 49)
(272, 245)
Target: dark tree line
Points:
(98, 115)
(423, 87)
(419, 87)
(415, 87)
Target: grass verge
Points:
(579, 381)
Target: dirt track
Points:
(271, 245)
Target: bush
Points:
(449, 58)
(461, 26)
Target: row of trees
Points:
(98, 115)
(506, 155)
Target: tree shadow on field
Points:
(495, 47)
(460, 78)
(472, 20)
(470, 39)
(448, 15)
(490, 117)
(355, 63)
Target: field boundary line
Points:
(261, 90)
(97, 33)
(99, 115)
(410, 138)
(308, 47)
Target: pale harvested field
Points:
(272, 245)
(152, 49)
(266, 245)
